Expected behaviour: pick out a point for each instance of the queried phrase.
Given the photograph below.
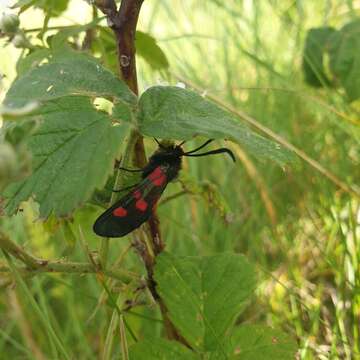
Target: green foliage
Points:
(73, 153)
(68, 73)
(63, 151)
(248, 342)
(204, 295)
(160, 349)
(343, 49)
(21, 3)
(313, 57)
(60, 40)
(173, 112)
(52, 7)
(32, 60)
(147, 47)
(252, 342)
(345, 58)
(294, 226)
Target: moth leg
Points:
(126, 188)
(130, 170)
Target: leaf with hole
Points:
(73, 153)
(68, 73)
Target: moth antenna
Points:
(200, 147)
(213, 152)
(158, 142)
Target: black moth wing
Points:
(134, 208)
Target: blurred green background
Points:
(296, 225)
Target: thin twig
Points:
(34, 265)
(59, 266)
(19, 253)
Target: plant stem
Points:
(19, 253)
(58, 266)
(123, 23)
(36, 265)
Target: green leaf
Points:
(55, 7)
(147, 48)
(316, 44)
(21, 3)
(61, 37)
(169, 112)
(253, 342)
(204, 295)
(104, 44)
(67, 74)
(32, 60)
(345, 58)
(73, 153)
(160, 349)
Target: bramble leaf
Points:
(32, 60)
(171, 112)
(73, 153)
(204, 295)
(253, 342)
(68, 73)
(160, 349)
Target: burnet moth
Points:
(135, 207)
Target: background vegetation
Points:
(299, 224)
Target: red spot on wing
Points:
(137, 194)
(141, 204)
(120, 212)
(157, 177)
